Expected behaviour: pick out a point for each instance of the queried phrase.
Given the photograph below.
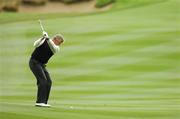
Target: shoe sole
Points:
(42, 106)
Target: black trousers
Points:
(43, 80)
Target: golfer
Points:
(45, 48)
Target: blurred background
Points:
(120, 59)
(52, 5)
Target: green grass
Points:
(122, 64)
(103, 3)
(124, 4)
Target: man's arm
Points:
(54, 48)
(39, 42)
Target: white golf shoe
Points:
(42, 105)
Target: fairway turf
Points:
(123, 64)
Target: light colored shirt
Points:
(54, 48)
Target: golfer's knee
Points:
(43, 83)
(49, 82)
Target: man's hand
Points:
(45, 35)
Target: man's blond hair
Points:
(59, 36)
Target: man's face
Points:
(57, 41)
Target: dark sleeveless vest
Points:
(42, 53)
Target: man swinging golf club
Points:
(45, 48)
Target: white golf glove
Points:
(45, 34)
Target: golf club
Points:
(42, 28)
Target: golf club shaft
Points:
(42, 28)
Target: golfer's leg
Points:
(49, 83)
(41, 82)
